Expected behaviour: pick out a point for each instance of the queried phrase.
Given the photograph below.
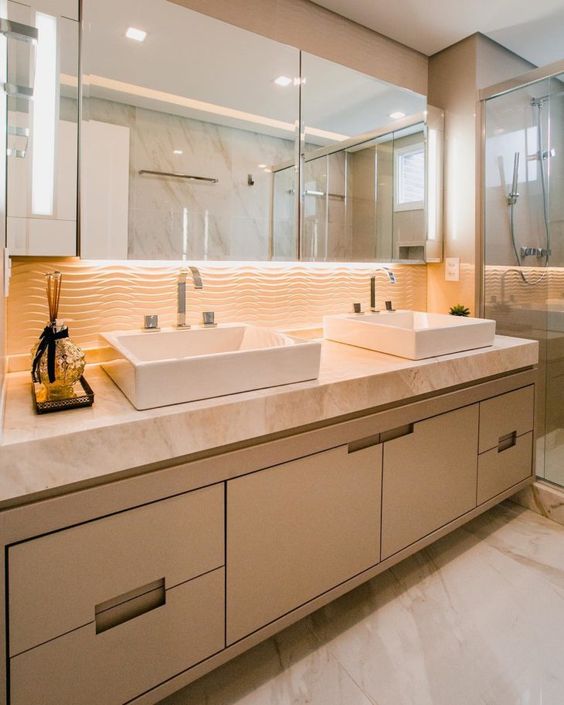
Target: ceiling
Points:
(532, 29)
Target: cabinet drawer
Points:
(56, 581)
(500, 470)
(506, 414)
(429, 477)
(112, 667)
(297, 530)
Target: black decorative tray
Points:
(83, 396)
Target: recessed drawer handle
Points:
(397, 432)
(362, 443)
(129, 605)
(507, 441)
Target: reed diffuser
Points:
(58, 363)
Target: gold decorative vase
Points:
(58, 363)
(69, 364)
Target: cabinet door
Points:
(112, 667)
(57, 580)
(501, 468)
(429, 477)
(297, 530)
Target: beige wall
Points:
(316, 30)
(455, 77)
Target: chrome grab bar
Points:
(176, 175)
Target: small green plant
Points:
(459, 310)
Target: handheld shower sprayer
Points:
(513, 195)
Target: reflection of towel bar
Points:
(322, 194)
(175, 175)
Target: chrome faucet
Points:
(391, 276)
(181, 293)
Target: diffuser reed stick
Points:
(54, 281)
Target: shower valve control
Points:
(535, 252)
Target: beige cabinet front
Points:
(57, 581)
(429, 477)
(112, 667)
(299, 529)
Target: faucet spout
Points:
(392, 278)
(181, 293)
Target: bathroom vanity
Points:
(145, 548)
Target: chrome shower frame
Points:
(494, 91)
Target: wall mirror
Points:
(42, 134)
(184, 118)
(203, 141)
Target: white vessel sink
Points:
(158, 368)
(411, 334)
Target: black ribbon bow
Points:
(48, 341)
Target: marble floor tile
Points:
(292, 667)
(475, 619)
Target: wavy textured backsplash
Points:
(505, 285)
(102, 296)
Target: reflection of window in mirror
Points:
(409, 169)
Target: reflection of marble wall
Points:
(174, 218)
(284, 226)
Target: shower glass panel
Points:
(524, 242)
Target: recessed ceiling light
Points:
(283, 81)
(268, 171)
(178, 151)
(138, 34)
(397, 115)
(262, 166)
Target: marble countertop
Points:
(48, 453)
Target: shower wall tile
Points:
(100, 296)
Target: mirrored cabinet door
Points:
(42, 117)
(189, 137)
(353, 128)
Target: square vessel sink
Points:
(411, 334)
(158, 368)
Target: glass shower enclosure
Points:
(523, 279)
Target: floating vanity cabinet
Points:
(506, 441)
(297, 530)
(429, 477)
(123, 593)
(103, 611)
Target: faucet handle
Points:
(208, 319)
(151, 322)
